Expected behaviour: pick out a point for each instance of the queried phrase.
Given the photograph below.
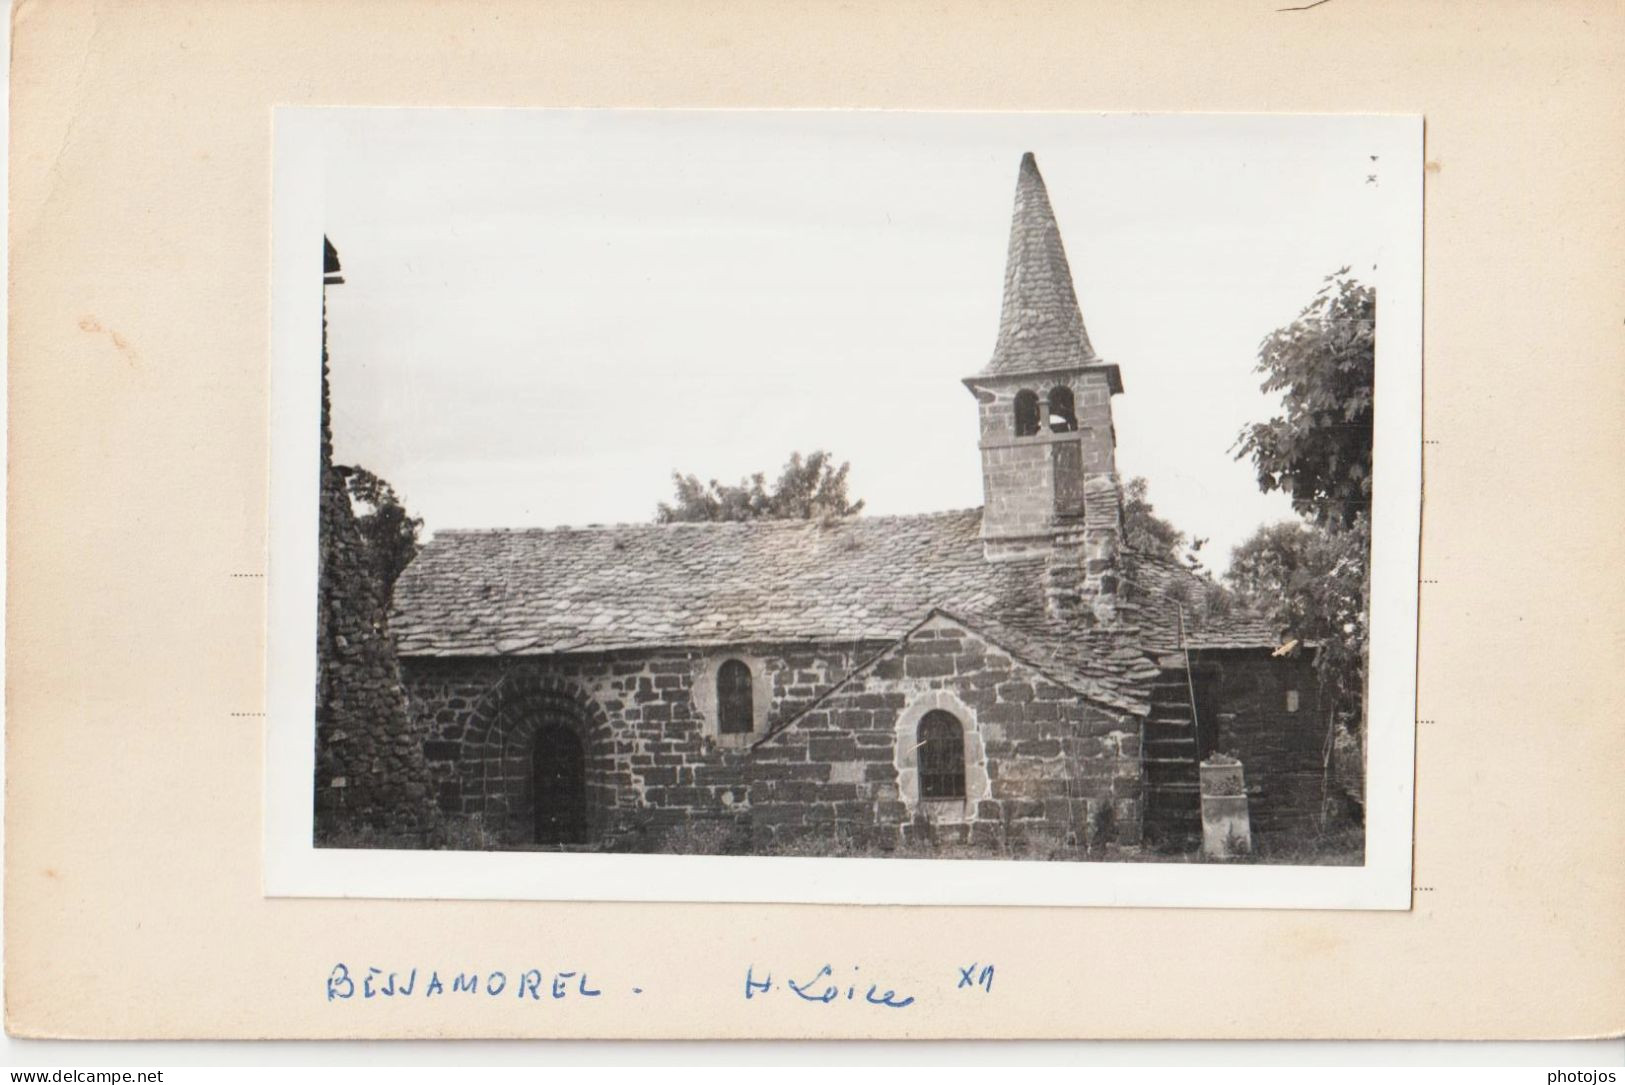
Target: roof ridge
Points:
(763, 523)
(553, 591)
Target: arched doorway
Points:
(559, 772)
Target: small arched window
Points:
(734, 707)
(1063, 416)
(941, 756)
(1026, 413)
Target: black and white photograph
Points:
(997, 492)
(814, 535)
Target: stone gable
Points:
(1044, 766)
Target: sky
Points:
(547, 312)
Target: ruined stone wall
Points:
(370, 772)
(1280, 748)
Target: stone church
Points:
(1005, 680)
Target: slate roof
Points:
(859, 579)
(1040, 325)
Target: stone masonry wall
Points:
(660, 776)
(1045, 769)
(1026, 481)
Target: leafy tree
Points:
(1313, 578)
(1312, 583)
(388, 534)
(1143, 529)
(808, 488)
(1145, 532)
(1148, 533)
(1319, 450)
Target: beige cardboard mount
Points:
(140, 178)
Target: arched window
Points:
(1063, 417)
(1026, 413)
(734, 706)
(941, 756)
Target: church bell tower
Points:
(1049, 471)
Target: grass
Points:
(454, 833)
(1338, 846)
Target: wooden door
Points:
(560, 774)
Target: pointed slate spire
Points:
(1040, 326)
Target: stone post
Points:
(1226, 828)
